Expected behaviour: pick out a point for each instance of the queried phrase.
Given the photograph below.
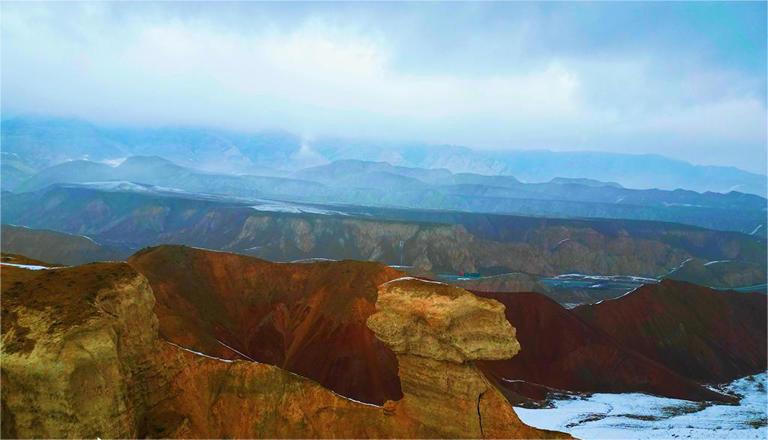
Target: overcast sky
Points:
(687, 80)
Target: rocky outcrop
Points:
(438, 331)
(82, 358)
(78, 347)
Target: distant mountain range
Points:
(31, 144)
(130, 216)
(381, 184)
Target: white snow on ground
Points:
(126, 186)
(412, 278)
(717, 262)
(28, 266)
(201, 354)
(313, 260)
(292, 208)
(356, 401)
(114, 162)
(640, 416)
(238, 352)
(580, 276)
(680, 266)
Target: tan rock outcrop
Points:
(437, 331)
(77, 351)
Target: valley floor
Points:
(640, 416)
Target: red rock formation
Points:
(82, 358)
(708, 335)
(561, 351)
(305, 318)
(310, 319)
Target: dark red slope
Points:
(306, 318)
(559, 350)
(311, 319)
(708, 335)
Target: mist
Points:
(680, 82)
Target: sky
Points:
(686, 80)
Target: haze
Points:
(687, 80)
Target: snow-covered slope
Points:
(640, 416)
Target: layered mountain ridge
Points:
(429, 241)
(382, 184)
(42, 142)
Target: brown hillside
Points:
(708, 335)
(560, 351)
(305, 318)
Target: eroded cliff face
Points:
(82, 358)
(78, 348)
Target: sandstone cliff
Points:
(78, 347)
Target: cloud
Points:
(322, 71)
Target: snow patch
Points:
(414, 278)
(126, 186)
(354, 400)
(29, 266)
(640, 416)
(114, 163)
(292, 208)
(229, 361)
(313, 260)
(238, 352)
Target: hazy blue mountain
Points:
(381, 184)
(14, 170)
(44, 142)
(640, 171)
(152, 170)
(48, 141)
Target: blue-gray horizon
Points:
(684, 80)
